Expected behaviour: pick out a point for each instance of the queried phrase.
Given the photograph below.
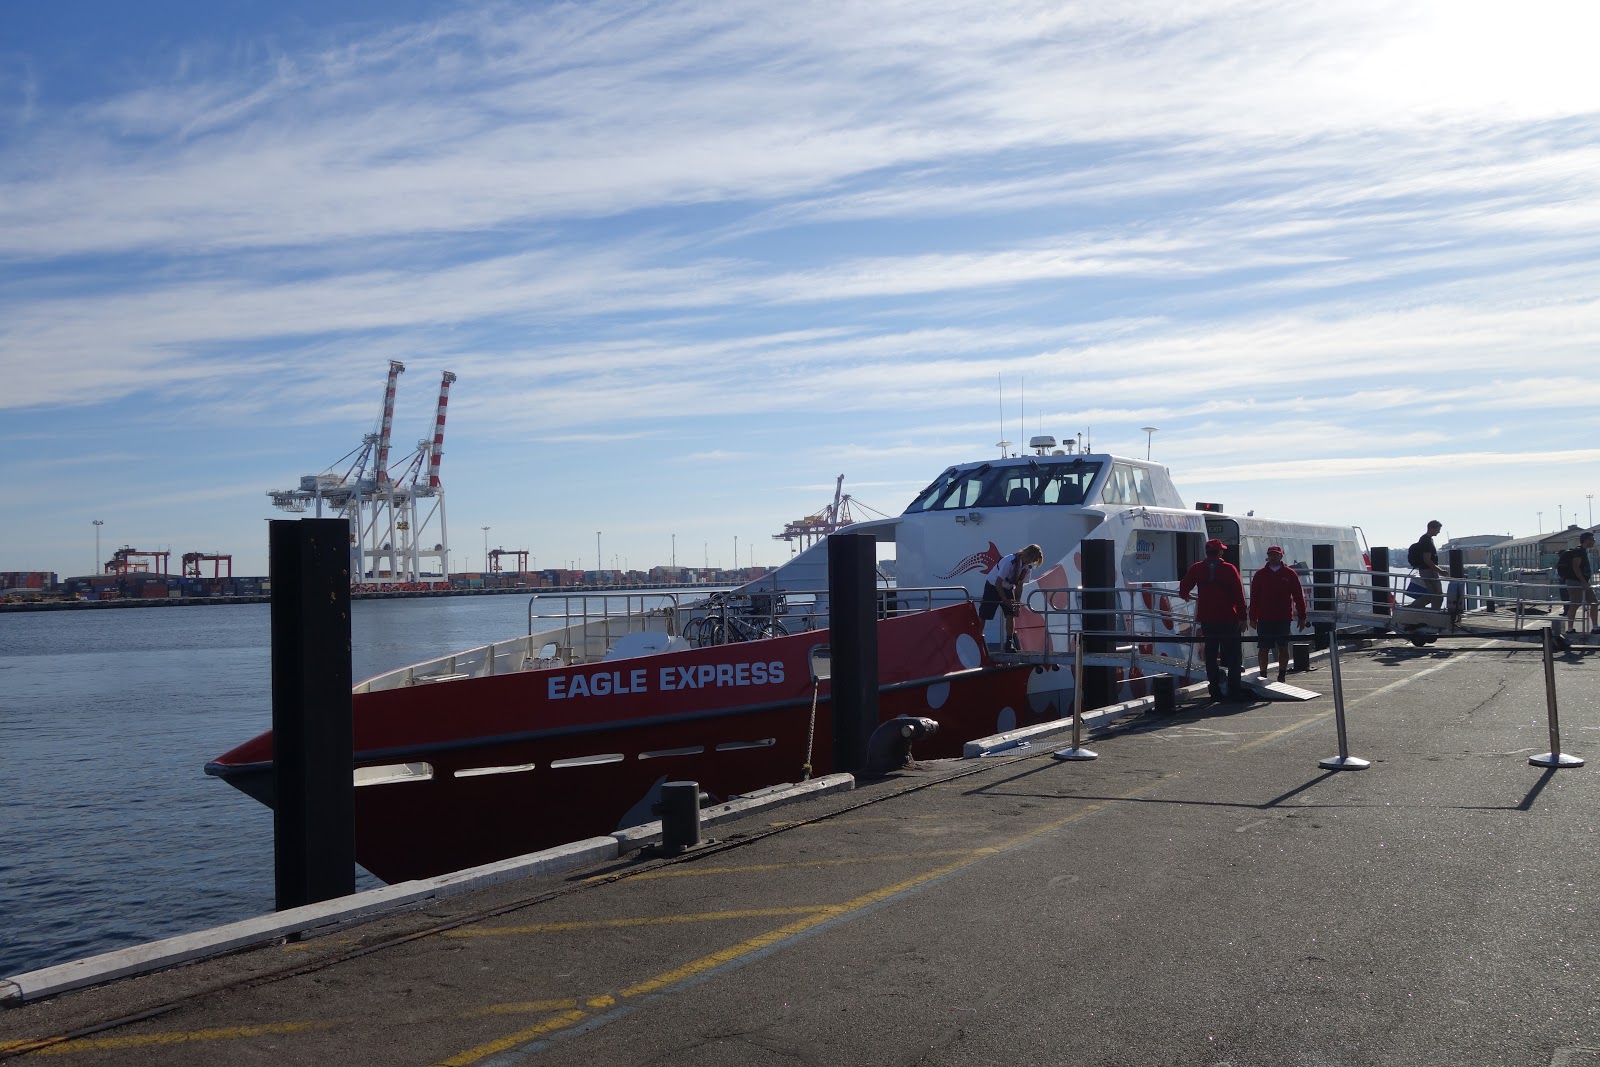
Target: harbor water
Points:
(111, 834)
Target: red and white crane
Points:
(388, 537)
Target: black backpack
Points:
(1567, 564)
(1416, 555)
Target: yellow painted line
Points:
(525, 1007)
(761, 941)
(224, 1033)
(549, 1026)
(1274, 735)
(695, 871)
(659, 920)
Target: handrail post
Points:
(1555, 757)
(1343, 761)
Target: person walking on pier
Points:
(1003, 591)
(1276, 599)
(1577, 575)
(1218, 591)
(1427, 589)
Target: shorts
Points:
(1579, 592)
(1275, 631)
(993, 601)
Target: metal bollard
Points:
(680, 816)
(1164, 687)
(1302, 657)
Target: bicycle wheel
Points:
(695, 631)
(774, 628)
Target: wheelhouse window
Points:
(1128, 484)
(1039, 483)
(957, 488)
(1012, 485)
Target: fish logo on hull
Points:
(984, 561)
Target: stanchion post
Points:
(853, 640)
(1322, 590)
(1098, 685)
(313, 781)
(1380, 582)
(1077, 752)
(1343, 761)
(1555, 757)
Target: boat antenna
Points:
(1001, 383)
(1022, 413)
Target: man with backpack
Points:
(1215, 586)
(1427, 589)
(1577, 577)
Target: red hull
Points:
(590, 745)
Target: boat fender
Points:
(889, 747)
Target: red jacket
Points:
(1220, 591)
(1276, 596)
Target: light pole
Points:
(674, 551)
(1149, 434)
(486, 549)
(100, 522)
(599, 561)
(735, 551)
(1541, 520)
(1590, 498)
(1561, 517)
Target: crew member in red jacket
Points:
(1276, 599)
(1218, 592)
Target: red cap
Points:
(1274, 548)
(1214, 547)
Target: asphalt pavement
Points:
(1202, 893)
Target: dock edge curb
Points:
(188, 948)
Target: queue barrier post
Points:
(1343, 761)
(1077, 752)
(1555, 757)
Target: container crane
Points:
(496, 553)
(193, 560)
(813, 528)
(122, 562)
(386, 535)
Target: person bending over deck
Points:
(1215, 586)
(1276, 599)
(1577, 576)
(1003, 591)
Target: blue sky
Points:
(693, 261)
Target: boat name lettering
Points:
(668, 679)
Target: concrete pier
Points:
(1203, 893)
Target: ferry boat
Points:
(570, 731)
